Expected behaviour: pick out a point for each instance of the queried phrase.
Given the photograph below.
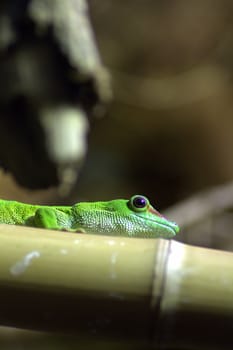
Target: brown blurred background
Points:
(168, 132)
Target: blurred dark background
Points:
(168, 132)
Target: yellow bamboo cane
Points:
(163, 292)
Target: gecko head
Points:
(134, 217)
(138, 218)
(154, 223)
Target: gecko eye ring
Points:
(138, 203)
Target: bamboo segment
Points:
(166, 293)
(87, 284)
(196, 310)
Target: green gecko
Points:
(120, 217)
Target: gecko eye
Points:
(138, 203)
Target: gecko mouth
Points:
(165, 224)
(172, 227)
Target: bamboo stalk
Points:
(91, 285)
(196, 309)
(164, 292)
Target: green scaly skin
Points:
(120, 217)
